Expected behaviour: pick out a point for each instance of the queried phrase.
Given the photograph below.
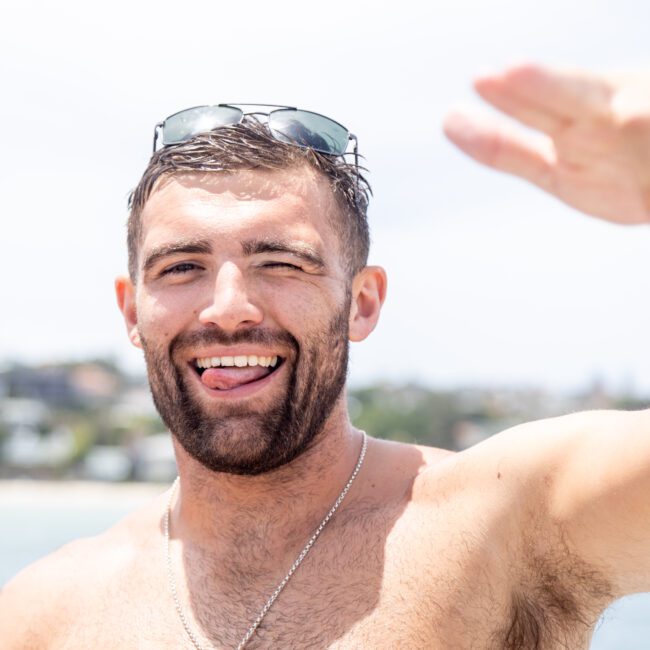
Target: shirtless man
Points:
(519, 542)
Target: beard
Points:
(244, 438)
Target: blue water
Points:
(28, 533)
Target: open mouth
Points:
(227, 373)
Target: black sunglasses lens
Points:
(309, 130)
(186, 124)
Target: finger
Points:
(496, 92)
(500, 146)
(568, 93)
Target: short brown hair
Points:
(249, 146)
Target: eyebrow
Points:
(201, 246)
(301, 250)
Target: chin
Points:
(243, 445)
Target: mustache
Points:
(217, 336)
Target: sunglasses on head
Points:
(285, 123)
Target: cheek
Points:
(162, 318)
(304, 307)
(309, 316)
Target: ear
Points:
(125, 292)
(368, 295)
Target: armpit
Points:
(557, 601)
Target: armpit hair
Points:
(556, 603)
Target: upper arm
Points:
(582, 486)
(601, 495)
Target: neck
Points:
(218, 511)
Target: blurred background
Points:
(503, 305)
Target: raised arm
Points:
(601, 495)
(590, 147)
(591, 141)
(581, 486)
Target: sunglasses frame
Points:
(278, 107)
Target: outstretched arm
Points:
(582, 487)
(601, 495)
(591, 141)
(590, 147)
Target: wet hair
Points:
(250, 146)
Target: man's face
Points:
(242, 311)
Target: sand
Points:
(22, 492)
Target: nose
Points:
(230, 306)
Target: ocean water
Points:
(29, 531)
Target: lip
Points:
(239, 392)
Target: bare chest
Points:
(409, 579)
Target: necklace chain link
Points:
(285, 580)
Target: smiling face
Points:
(243, 309)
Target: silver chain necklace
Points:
(282, 585)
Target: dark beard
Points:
(240, 440)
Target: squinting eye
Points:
(180, 268)
(280, 265)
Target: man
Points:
(247, 280)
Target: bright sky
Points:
(490, 281)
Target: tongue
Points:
(231, 377)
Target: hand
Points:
(592, 146)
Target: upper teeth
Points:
(239, 361)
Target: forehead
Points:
(231, 207)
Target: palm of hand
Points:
(592, 146)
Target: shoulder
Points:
(43, 601)
(519, 462)
(511, 476)
(511, 483)
(37, 602)
(522, 457)
(529, 457)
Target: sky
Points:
(491, 282)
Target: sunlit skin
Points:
(518, 542)
(590, 144)
(237, 291)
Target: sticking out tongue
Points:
(231, 377)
